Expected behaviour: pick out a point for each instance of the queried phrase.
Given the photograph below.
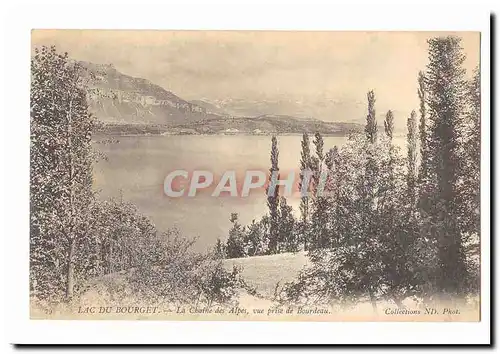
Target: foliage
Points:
(471, 165)
(76, 238)
(370, 256)
(219, 286)
(304, 186)
(219, 250)
(389, 124)
(60, 172)
(235, 243)
(255, 239)
(371, 119)
(273, 198)
(446, 98)
(411, 157)
(405, 227)
(288, 238)
(177, 274)
(319, 237)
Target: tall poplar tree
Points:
(305, 201)
(411, 176)
(389, 124)
(338, 204)
(371, 119)
(446, 88)
(273, 198)
(320, 237)
(423, 169)
(389, 132)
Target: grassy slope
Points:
(264, 272)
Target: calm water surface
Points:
(138, 165)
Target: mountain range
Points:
(131, 105)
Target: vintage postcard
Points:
(255, 175)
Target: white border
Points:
(353, 15)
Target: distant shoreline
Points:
(129, 135)
(105, 134)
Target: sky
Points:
(322, 74)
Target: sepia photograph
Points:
(265, 173)
(255, 175)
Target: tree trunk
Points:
(70, 276)
(373, 302)
(398, 302)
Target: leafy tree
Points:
(273, 200)
(355, 265)
(368, 256)
(319, 146)
(361, 249)
(423, 169)
(254, 238)
(389, 132)
(288, 240)
(389, 124)
(404, 230)
(371, 119)
(264, 225)
(180, 275)
(411, 179)
(446, 89)
(367, 182)
(425, 243)
(217, 285)
(234, 244)
(219, 250)
(337, 200)
(121, 238)
(320, 237)
(305, 201)
(397, 221)
(74, 236)
(367, 188)
(60, 172)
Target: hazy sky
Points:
(330, 71)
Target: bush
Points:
(217, 285)
(184, 276)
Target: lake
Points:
(136, 166)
